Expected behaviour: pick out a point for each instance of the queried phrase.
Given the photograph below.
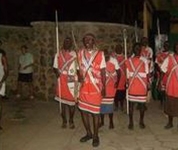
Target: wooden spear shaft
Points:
(76, 48)
(125, 42)
(57, 51)
(136, 33)
(159, 34)
(57, 32)
(125, 49)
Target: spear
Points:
(77, 57)
(73, 37)
(125, 42)
(136, 34)
(76, 48)
(57, 51)
(159, 34)
(57, 32)
(125, 49)
(76, 64)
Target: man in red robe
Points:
(92, 76)
(65, 67)
(170, 67)
(137, 76)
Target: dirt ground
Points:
(36, 125)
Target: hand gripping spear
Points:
(57, 51)
(125, 49)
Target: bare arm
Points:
(28, 65)
(118, 77)
(103, 78)
(80, 78)
(6, 70)
(56, 71)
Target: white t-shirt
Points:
(164, 66)
(24, 60)
(150, 51)
(115, 62)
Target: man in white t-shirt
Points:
(25, 71)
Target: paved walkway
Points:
(36, 126)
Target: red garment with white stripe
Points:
(91, 64)
(137, 74)
(170, 66)
(122, 81)
(66, 64)
(161, 56)
(111, 79)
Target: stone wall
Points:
(40, 38)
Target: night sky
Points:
(22, 12)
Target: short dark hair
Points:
(91, 35)
(24, 46)
(136, 47)
(175, 44)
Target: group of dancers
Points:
(101, 81)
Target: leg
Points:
(122, 99)
(86, 123)
(122, 104)
(0, 113)
(142, 113)
(164, 97)
(63, 115)
(19, 89)
(95, 130)
(116, 101)
(170, 123)
(102, 120)
(71, 116)
(131, 110)
(111, 124)
(30, 85)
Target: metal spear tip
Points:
(125, 33)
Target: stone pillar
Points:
(44, 45)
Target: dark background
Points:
(22, 12)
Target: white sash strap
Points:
(93, 80)
(62, 56)
(86, 63)
(110, 76)
(66, 64)
(141, 74)
(136, 74)
(121, 63)
(88, 69)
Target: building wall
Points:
(40, 39)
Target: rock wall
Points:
(40, 39)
